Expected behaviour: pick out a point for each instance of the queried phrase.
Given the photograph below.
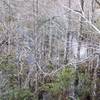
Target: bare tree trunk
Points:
(68, 34)
(78, 52)
(95, 78)
(93, 10)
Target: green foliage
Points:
(10, 71)
(65, 78)
(21, 94)
(50, 66)
(62, 81)
(84, 86)
(8, 68)
(18, 94)
(7, 63)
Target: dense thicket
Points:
(49, 50)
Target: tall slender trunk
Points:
(68, 34)
(78, 51)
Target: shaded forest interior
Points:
(49, 49)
